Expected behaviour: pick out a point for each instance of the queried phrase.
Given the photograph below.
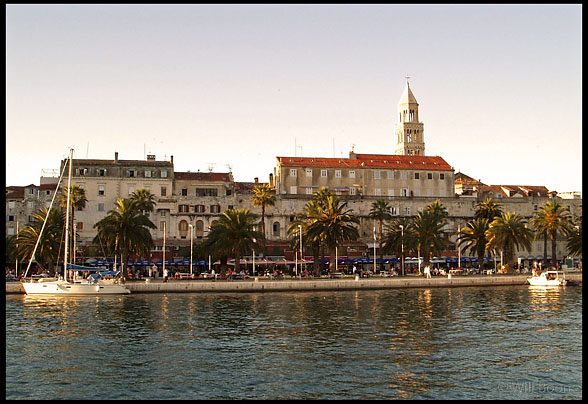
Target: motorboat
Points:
(548, 278)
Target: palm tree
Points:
(145, 200)
(428, 228)
(234, 232)
(77, 202)
(488, 209)
(49, 248)
(552, 219)
(127, 229)
(380, 211)
(507, 232)
(399, 237)
(332, 223)
(263, 195)
(574, 243)
(473, 237)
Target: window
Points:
(308, 191)
(404, 192)
(148, 173)
(441, 176)
(378, 192)
(163, 173)
(293, 172)
(47, 192)
(199, 229)
(376, 175)
(352, 174)
(31, 204)
(184, 191)
(429, 176)
(11, 218)
(163, 191)
(200, 208)
(324, 173)
(215, 208)
(82, 171)
(293, 189)
(390, 175)
(309, 172)
(183, 208)
(162, 213)
(131, 190)
(206, 192)
(407, 211)
(101, 190)
(352, 191)
(337, 173)
(132, 173)
(390, 191)
(100, 207)
(394, 211)
(102, 172)
(11, 204)
(80, 226)
(416, 176)
(276, 229)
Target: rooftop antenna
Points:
(210, 167)
(87, 148)
(230, 168)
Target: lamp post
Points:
(253, 254)
(300, 229)
(459, 251)
(402, 247)
(191, 245)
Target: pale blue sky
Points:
(499, 86)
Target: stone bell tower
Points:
(410, 139)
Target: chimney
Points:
(116, 157)
(271, 180)
(256, 180)
(172, 159)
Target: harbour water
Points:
(498, 342)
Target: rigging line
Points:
(44, 222)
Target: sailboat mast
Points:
(65, 257)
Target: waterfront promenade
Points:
(290, 284)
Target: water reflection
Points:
(413, 343)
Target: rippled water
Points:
(454, 343)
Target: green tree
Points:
(234, 232)
(488, 209)
(127, 229)
(50, 242)
(263, 195)
(399, 238)
(144, 199)
(428, 228)
(380, 211)
(507, 232)
(332, 223)
(473, 238)
(574, 242)
(552, 219)
(77, 201)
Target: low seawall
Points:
(202, 286)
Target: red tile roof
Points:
(370, 161)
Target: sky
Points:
(231, 87)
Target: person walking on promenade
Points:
(428, 272)
(165, 274)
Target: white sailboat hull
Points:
(61, 287)
(549, 278)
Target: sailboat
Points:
(92, 285)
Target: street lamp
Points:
(253, 253)
(402, 246)
(300, 228)
(191, 245)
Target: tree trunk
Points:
(315, 257)
(553, 251)
(544, 260)
(332, 260)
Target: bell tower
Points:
(409, 134)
